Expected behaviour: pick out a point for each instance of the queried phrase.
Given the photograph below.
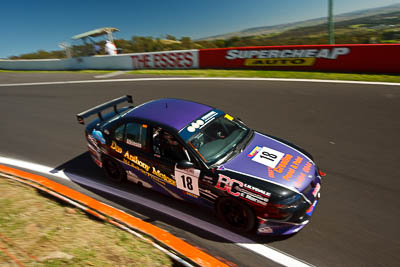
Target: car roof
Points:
(175, 113)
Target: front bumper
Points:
(271, 227)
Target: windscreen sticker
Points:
(199, 123)
(268, 157)
(229, 117)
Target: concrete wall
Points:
(185, 59)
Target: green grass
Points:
(45, 229)
(59, 71)
(248, 74)
(273, 74)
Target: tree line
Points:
(345, 34)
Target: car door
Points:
(131, 146)
(168, 152)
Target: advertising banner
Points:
(184, 59)
(375, 58)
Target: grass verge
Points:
(248, 74)
(39, 231)
(273, 74)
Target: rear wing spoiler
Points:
(98, 109)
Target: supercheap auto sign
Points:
(285, 57)
(352, 58)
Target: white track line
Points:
(112, 74)
(263, 250)
(200, 79)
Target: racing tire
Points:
(114, 170)
(236, 214)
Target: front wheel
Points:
(236, 214)
(114, 170)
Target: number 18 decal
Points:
(268, 157)
(188, 180)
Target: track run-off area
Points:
(352, 129)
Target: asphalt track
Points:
(352, 131)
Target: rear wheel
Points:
(236, 214)
(114, 170)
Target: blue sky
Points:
(31, 25)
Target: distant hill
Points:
(276, 29)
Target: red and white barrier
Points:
(185, 59)
(372, 58)
(366, 58)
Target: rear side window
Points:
(136, 134)
(132, 133)
(119, 133)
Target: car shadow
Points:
(82, 166)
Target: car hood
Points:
(272, 160)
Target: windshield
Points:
(216, 139)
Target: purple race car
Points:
(194, 152)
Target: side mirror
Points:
(185, 164)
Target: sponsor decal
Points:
(228, 117)
(293, 167)
(162, 176)
(199, 123)
(307, 167)
(242, 190)
(208, 179)
(136, 160)
(208, 193)
(195, 125)
(133, 143)
(311, 208)
(265, 230)
(283, 164)
(316, 190)
(300, 180)
(150, 171)
(92, 140)
(221, 168)
(166, 60)
(271, 173)
(325, 53)
(285, 57)
(281, 62)
(254, 151)
(289, 174)
(268, 157)
(98, 136)
(116, 148)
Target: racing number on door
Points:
(188, 180)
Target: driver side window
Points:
(166, 146)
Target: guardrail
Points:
(364, 58)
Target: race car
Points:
(194, 152)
